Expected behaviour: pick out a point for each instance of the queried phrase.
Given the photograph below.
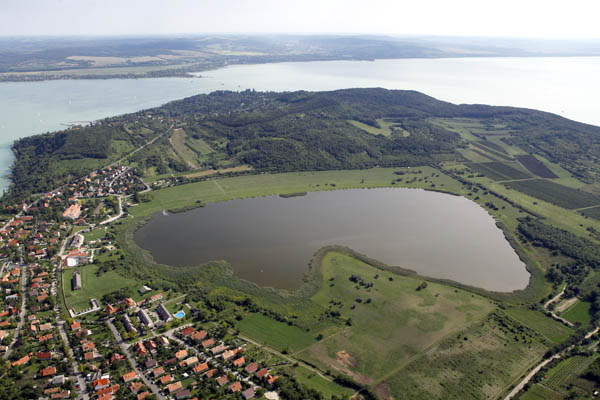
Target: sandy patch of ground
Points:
(565, 305)
(345, 358)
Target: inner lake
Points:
(270, 240)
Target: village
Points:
(154, 347)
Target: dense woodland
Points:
(296, 131)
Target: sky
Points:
(551, 19)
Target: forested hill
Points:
(268, 131)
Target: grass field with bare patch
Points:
(391, 321)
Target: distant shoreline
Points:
(192, 70)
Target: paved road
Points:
(77, 376)
(21, 313)
(125, 349)
(116, 217)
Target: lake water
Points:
(561, 85)
(271, 240)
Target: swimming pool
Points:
(180, 314)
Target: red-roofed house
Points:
(48, 371)
(129, 376)
(239, 362)
(187, 331)
(222, 380)
(235, 387)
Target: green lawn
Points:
(546, 326)
(93, 286)
(94, 234)
(579, 313)
(276, 334)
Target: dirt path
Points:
(555, 298)
(219, 186)
(541, 365)
(285, 357)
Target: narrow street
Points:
(77, 376)
(21, 313)
(119, 215)
(125, 349)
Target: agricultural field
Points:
(552, 330)
(535, 166)
(390, 321)
(93, 286)
(498, 171)
(554, 193)
(539, 392)
(559, 377)
(578, 313)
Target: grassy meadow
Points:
(391, 324)
(93, 286)
(278, 335)
(271, 184)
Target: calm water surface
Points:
(271, 240)
(561, 85)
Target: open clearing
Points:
(386, 127)
(93, 286)
(278, 335)
(184, 152)
(392, 323)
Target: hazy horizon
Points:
(461, 18)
